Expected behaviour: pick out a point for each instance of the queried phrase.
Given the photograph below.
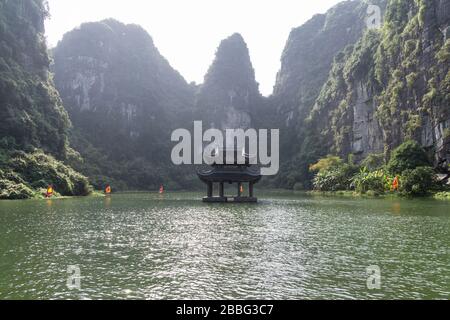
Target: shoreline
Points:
(441, 195)
(59, 197)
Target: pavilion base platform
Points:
(226, 173)
(230, 200)
(222, 198)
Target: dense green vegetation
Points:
(31, 112)
(407, 164)
(33, 122)
(442, 195)
(419, 181)
(389, 86)
(25, 175)
(371, 181)
(125, 174)
(408, 156)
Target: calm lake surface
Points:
(289, 246)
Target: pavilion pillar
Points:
(250, 190)
(210, 189)
(239, 189)
(221, 190)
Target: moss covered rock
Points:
(41, 170)
(31, 112)
(25, 175)
(14, 191)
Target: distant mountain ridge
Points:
(342, 89)
(331, 96)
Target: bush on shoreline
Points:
(333, 174)
(408, 156)
(14, 191)
(376, 181)
(409, 164)
(25, 175)
(418, 182)
(445, 195)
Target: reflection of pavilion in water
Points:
(230, 172)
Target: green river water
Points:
(288, 246)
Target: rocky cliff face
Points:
(116, 85)
(395, 85)
(33, 123)
(306, 64)
(377, 88)
(31, 112)
(230, 96)
(344, 115)
(124, 100)
(434, 132)
(309, 54)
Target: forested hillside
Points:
(33, 122)
(384, 87)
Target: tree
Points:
(418, 182)
(373, 161)
(326, 164)
(408, 156)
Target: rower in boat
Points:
(50, 192)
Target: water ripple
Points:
(142, 246)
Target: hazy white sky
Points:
(187, 32)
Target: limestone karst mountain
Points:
(342, 89)
(229, 97)
(393, 88)
(124, 100)
(373, 91)
(305, 66)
